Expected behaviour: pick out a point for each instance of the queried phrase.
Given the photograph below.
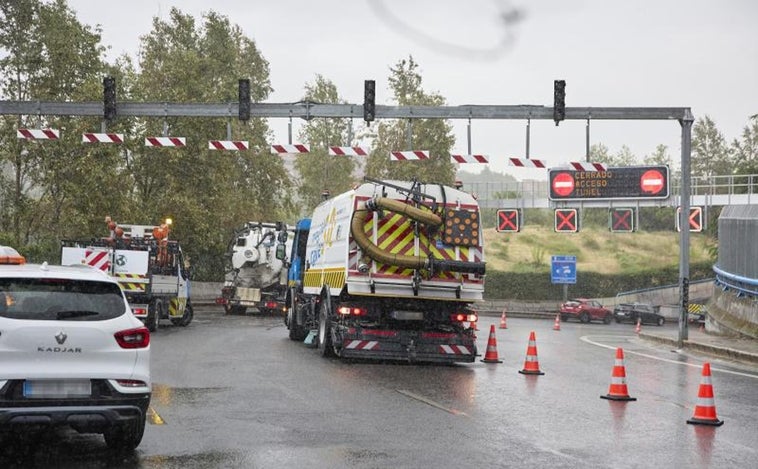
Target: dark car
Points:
(632, 312)
(585, 310)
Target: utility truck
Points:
(149, 266)
(256, 277)
(389, 270)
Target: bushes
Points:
(537, 286)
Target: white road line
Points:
(430, 402)
(586, 339)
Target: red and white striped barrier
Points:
(228, 145)
(285, 149)
(524, 163)
(469, 158)
(409, 155)
(38, 134)
(348, 151)
(165, 141)
(583, 166)
(102, 138)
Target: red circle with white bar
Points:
(652, 182)
(563, 184)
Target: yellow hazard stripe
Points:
(335, 278)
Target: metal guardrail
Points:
(743, 285)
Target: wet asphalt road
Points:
(234, 391)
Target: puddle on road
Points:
(201, 460)
(163, 395)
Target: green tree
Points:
(207, 192)
(434, 135)
(710, 153)
(47, 54)
(745, 150)
(317, 169)
(659, 157)
(600, 153)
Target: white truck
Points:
(256, 277)
(149, 267)
(389, 270)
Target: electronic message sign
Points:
(628, 182)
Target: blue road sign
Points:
(563, 269)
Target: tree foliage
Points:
(710, 153)
(745, 150)
(434, 135)
(318, 171)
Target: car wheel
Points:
(564, 317)
(585, 318)
(324, 329)
(618, 320)
(607, 319)
(125, 437)
(661, 321)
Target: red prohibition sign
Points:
(563, 184)
(651, 182)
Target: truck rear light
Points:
(352, 311)
(133, 338)
(272, 305)
(221, 301)
(464, 317)
(139, 311)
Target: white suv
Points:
(71, 353)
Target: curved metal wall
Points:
(738, 240)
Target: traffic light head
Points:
(244, 99)
(559, 100)
(566, 220)
(109, 98)
(508, 220)
(621, 220)
(369, 100)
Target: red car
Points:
(585, 310)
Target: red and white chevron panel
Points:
(348, 151)
(228, 145)
(102, 138)
(526, 163)
(98, 259)
(165, 142)
(582, 166)
(38, 134)
(362, 345)
(469, 158)
(409, 155)
(455, 350)
(287, 149)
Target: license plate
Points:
(57, 388)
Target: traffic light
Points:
(109, 98)
(559, 100)
(695, 220)
(369, 100)
(244, 99)
(621, 220)
(566, 220)
(508, 220)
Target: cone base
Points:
(491, 360)
(611, 397)
(531, 372)
(713, 423)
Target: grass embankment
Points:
(596, 250)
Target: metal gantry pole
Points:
(684, 225)
(528, 129)
(587, 142)
(468, 135)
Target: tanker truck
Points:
(389, 271)
(256, 277)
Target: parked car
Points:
(585, 310)
(631, 312)
(72, 354)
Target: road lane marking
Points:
(586, 339)
(154, 418)
(430, 402)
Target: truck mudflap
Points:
(414, 346)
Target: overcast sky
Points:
(689, 53)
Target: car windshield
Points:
(60, 299)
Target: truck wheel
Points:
(324, 332)
(297, 332)
(154, 312)
(186, 318)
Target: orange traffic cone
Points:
(618, 391)
(639, 326)
(503, 325)
(705, 410)
(532, 363)
(491, 355)
(557, 325)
